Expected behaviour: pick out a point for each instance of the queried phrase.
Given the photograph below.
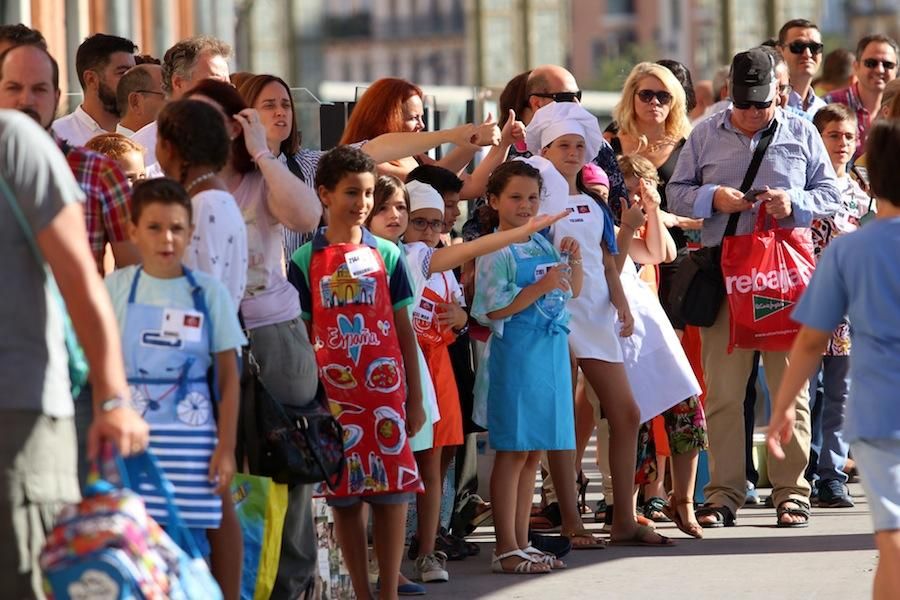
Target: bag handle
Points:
(145, 464)
(752, 170)
(765, 221)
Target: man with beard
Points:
(100, 61)
(29, 82)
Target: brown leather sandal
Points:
(671, 510)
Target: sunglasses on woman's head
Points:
(750, 103)
(872, 63)
(420, 224)
(561, 96)
(797, 47)
(647, 96)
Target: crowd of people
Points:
(547, 317)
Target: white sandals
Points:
(544, 558)
(527, 566)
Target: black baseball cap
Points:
(753, 76)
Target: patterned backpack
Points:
(108, 548)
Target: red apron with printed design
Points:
(361, 367)
(434, 339)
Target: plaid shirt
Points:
(106, 208)
(849, 96)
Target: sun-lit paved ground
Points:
(833, 558)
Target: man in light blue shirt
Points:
(858, 275)
(800, 43)
(795, 181)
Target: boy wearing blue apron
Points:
(175, 323)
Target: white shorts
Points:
(878, 461)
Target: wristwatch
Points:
(112, 403)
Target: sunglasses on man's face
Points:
(751, 104)
(798, 46)
(561, 96)
(647, 96)
(872, 63)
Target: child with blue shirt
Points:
(175, 322)
(858, 275)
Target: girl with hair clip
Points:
(524, 377)
(565, 134)
(389, 219)
(660, 375)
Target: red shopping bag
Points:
(766, 272)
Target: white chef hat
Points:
(561, 118)
(422, 195)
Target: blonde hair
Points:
(677, 124)
(639, 166)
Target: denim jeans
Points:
(832, 450)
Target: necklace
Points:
(658, 145)
(200, 179)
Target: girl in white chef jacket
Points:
(568, 136)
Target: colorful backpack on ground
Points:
(108, 548)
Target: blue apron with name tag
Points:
(167, 355)
(529, 398)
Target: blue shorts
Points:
(399, 498)
(878, 461)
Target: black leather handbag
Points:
(290, 444)
(698, 287)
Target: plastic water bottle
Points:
(554, 301)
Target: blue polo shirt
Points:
(858, 275)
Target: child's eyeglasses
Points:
(872, 63)
(647, 96)
(420, 224)
(750, 103)
(562, 96)
(797, 47)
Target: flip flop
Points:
(639, 538)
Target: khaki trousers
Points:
(726, 381)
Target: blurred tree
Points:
(613, 70)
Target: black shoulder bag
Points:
(290, 444)
(698, 287)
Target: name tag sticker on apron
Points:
(187, 325)
(425, 310)
(361, 262)
(541, 270)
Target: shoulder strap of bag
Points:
(23, 223)
(294, 167)
(752, 170)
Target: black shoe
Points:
(553, 544)
(834, 494)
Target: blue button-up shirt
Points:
(815, 103)
(716, 153)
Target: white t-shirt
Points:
(146, 137)
(76, 127)
(219, 244)
(176, 293)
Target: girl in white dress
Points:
(568, 135)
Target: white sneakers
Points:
(432, 567)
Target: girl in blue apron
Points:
(168, 350)
(525, 377)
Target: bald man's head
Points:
(546, 80)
